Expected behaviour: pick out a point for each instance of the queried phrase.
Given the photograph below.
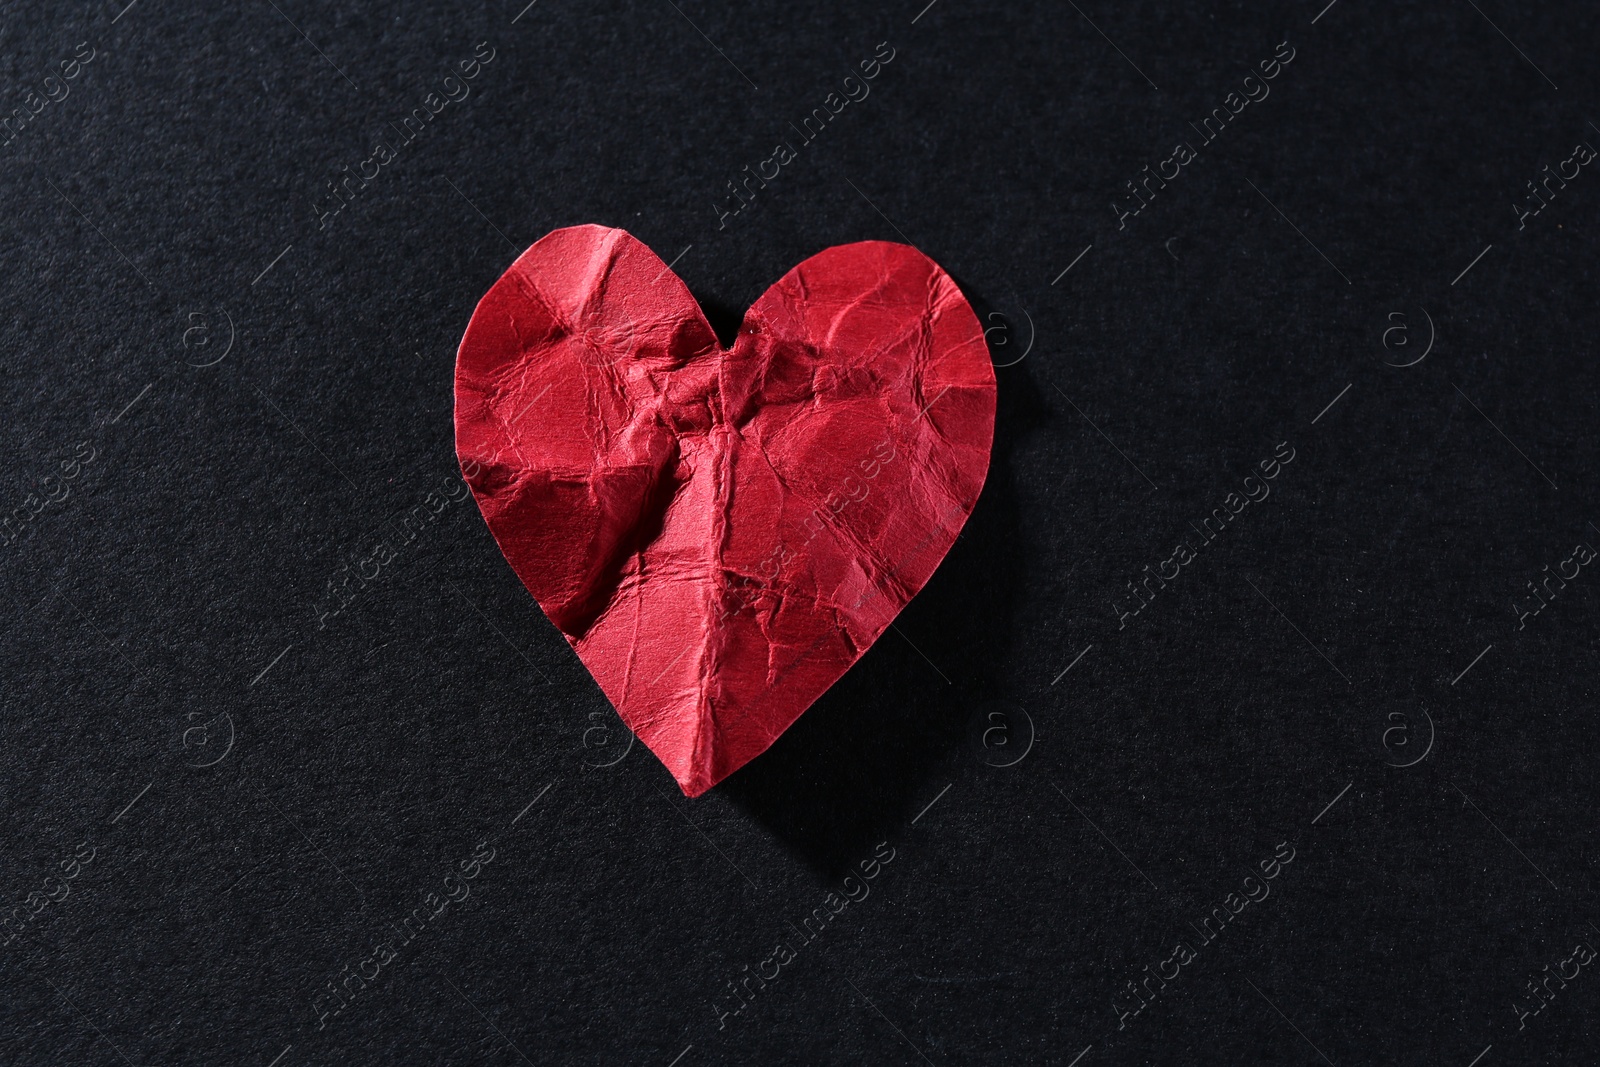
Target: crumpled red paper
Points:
(721, 533)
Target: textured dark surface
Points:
(266, 788)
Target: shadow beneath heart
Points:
(889, 735)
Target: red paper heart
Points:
(720, 533)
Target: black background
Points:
(267, 792)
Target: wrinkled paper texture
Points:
(721, 533)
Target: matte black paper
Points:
(1249, 720)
